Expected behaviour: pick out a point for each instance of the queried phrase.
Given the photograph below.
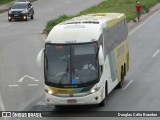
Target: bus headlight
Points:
(49, 91)
(94, 90)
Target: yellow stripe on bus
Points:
(114, 21)
(61, 90)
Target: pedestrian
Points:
(138, 9)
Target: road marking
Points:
(21, 80)
(36, 80)
(32, 84)
(127, 85)
(131, 32)
(1, 104)
(29, 77)
(156, 53)
(13, 85)
(51, 9)
(26, 76)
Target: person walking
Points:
(138, 9)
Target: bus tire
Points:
(57, 106)
(102, 104)
(120, 84)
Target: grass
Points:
(5, 1)
(54, 22)
(121, 6)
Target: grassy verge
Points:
(5, 1)
(121, 6)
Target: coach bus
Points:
(85, 58)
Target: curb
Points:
(132, 24)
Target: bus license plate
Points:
(71, 101)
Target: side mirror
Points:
(39, 58)
(101, 56)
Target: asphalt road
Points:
(21, 82)
(141, 88)
(20, 42)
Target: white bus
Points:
(85, 58)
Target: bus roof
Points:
(85, 28)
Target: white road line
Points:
(26, 76)
(1, 104)
(156, 53)
(127, 85)
(51, 9)
(21, 80)
(131, 32)
(32, 84)
(36, 80)
(29, 77)
(13, 85)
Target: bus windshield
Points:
(71, 64)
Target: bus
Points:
(85, 58)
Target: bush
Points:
(145, 9)
(5, 1)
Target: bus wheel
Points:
(102, 104)
(57, 106)
(120, 84)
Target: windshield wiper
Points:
(67, 70)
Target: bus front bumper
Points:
(94, 98)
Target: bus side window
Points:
(100, 69)
(101, 66)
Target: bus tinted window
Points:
(115, 35)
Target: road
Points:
(21, 82)
(141, 88)
(20, 42)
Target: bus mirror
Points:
(39, 58)
(101, 56)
